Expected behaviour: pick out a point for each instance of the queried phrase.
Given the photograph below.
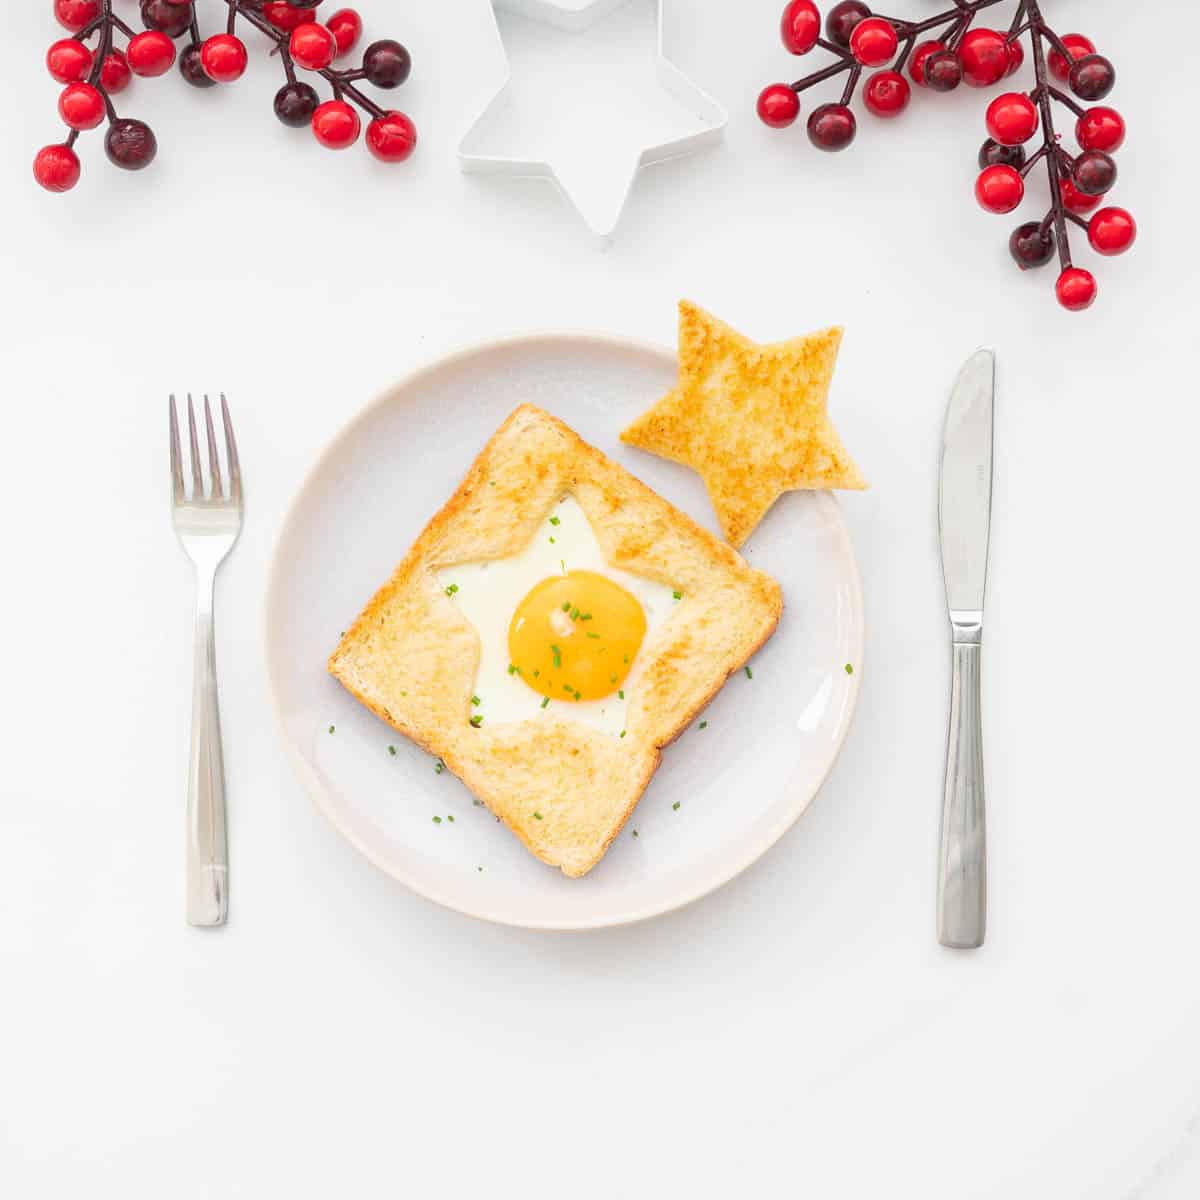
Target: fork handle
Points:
(207, 849)
(962, 881)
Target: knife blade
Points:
(964, 520)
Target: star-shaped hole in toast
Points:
(750, 419)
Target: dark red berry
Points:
(392, 138)
(887, 94)
(943, 71)
(1078, 45)
(295, 104)
(916, 64)
(1092, 77)
(56, 168)
(992, 154)
(1111, 231)
(1076, 289)
(831, 127)
(1100, 128)
(191, 67)
(1031, 245)
(167, 16)
(386, 63)
(1094, 173)
(130, 144)
(778, 105)
(984, 57)
(841, 20)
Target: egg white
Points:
(488, 593)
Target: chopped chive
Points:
(675, 806)
(626, 658)
(537, 816)
(477, 720)
(404, 693)
(437, 820)
(536, 672)
(555, 521)
(703, 724)
(621, 694)
(331, 729)
(612, 679)
(557, 655)
(545, 701)
(566, 606)
(635, 833)
(439, 767)
(491, 483)
(552, 541)
(593, 635)
(574, 614)
(622, 733)
(476, 701)
(749, 673)
(513, 670)
(479, 868)
(477, 803)
(450, 818)
(849, 669)
(562, 562)
(677, 595)
(568, 688)
(452, 589)
(392, 751)
(585, 616)
(578, 695)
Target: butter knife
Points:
(964, 518)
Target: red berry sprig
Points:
(945, 50)
(93, 75)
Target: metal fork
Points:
(207, 524)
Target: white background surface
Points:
(798, 1032)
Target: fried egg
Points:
(560, 629)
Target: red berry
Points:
(1100, 128)
(150, 53)
(81, 106)
(283, 16)
(778, 105)
(56, 168)
(916, 64)
(999, 189)
(1111, 231)
(887, 94)
(873, 41)
(1076, 289)
(336, 125)
(842, 19)
(223, 57)
(115, 75)
(346, 26)
(1012, 119)
(984, 57)
(1016, 56)
(1078, 45)
(800, 26)
(831, 127)
(1074, 200)
(313, 46)
(68, 61)
(75, 14)
(392, 138)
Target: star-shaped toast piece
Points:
(751, 420)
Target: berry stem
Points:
(1041, 97)
(1066, 101)
(820, 76)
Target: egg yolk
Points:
(575, 636)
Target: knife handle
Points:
(962, 883)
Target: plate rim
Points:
(728, 869)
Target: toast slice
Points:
(411, 656)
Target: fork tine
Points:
(176, 458)
(231, 454)
(197, 477)
(214, 463)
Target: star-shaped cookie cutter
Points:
(575, 16)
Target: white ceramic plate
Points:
(739, 783)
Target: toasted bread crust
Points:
(751, 420)
(410, 657)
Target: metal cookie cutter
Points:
(575, 16)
